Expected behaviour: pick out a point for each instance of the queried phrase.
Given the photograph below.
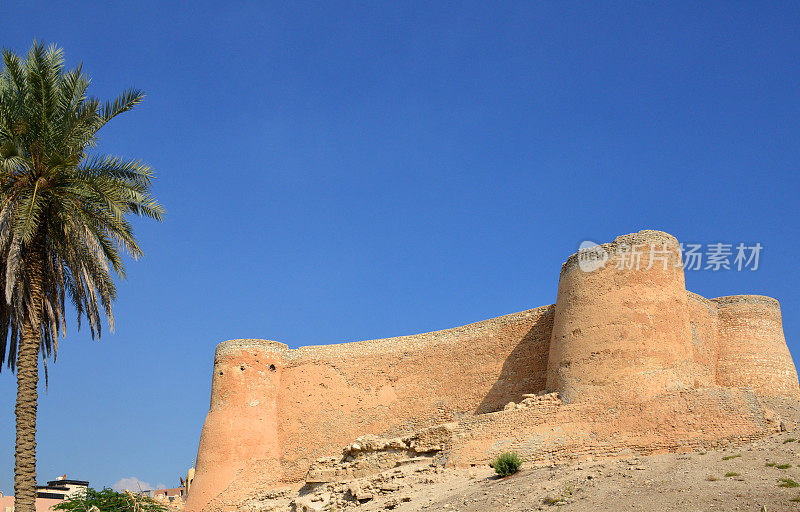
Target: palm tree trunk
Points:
(27, 389)
(25, 410)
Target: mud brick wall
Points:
(675, 421)
(281, 409)
(705, 343)
(335, 393)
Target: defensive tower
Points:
(621, 328)
(242, 421)
(752, 350)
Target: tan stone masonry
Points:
(638, 363)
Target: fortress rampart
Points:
(614, 335)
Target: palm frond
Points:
(64, 211)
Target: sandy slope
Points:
(670, 482)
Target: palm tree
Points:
(63, 222)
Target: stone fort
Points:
(626, 361)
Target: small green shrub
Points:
(783, 466)
(771, 464)
(795, 500)
(787, 482)
(712, 478)
(109, 501)
(549, 500)
(730, 474)
(790, 440)
(702, 453)
(507, 463)
(729, 457)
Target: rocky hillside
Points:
(762, 475)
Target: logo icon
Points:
(591, 256)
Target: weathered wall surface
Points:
(639, 363)
(329, 395)
(332, 394)
(752, 349)
(673, 421)
(705, 344)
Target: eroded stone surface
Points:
(372, 454)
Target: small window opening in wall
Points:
(241, 367)
(220, 373)
(272, 367)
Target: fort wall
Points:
(675, 421)
(331, 394)
(704, 342)
(634, 338)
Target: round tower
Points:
(752, 349)
(241, 423)
(621, 327)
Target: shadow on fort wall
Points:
(525, 368)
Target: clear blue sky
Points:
(343, 171)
